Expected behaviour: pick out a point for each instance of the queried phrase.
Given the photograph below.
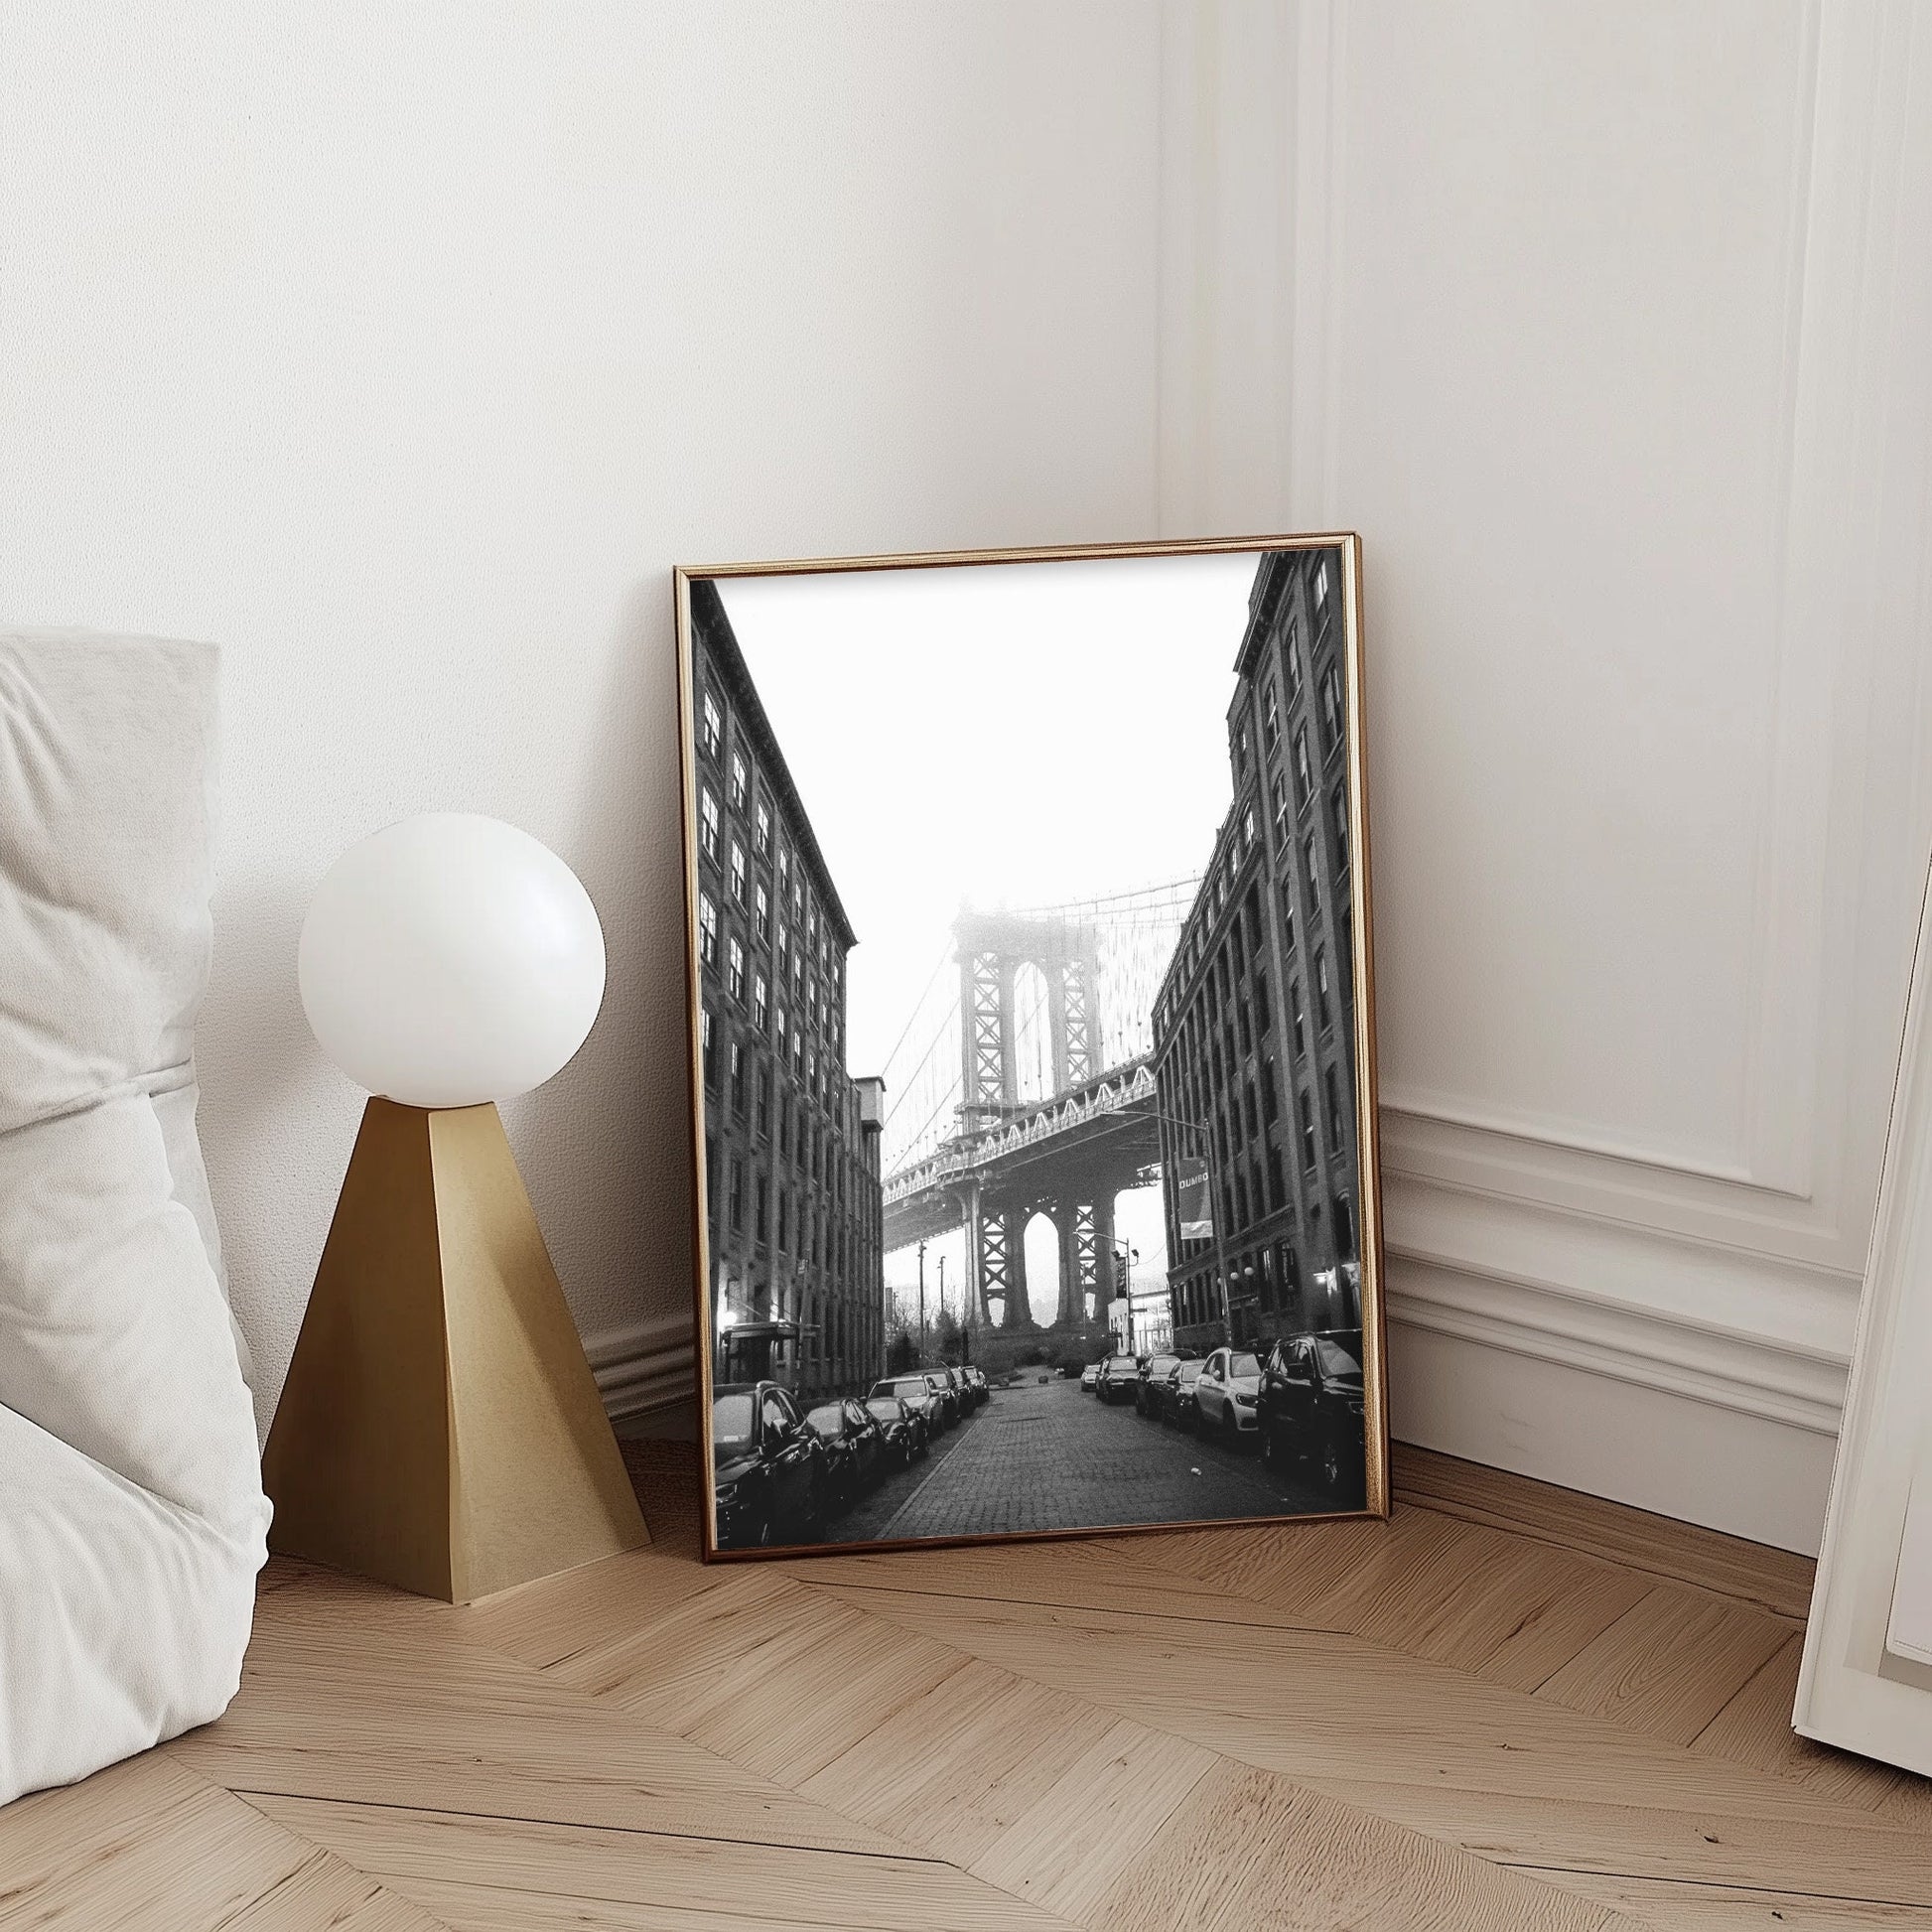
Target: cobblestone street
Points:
(1048, 1455)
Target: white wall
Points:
(1607, 327)
(403, 349)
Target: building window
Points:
(712, 727)
(1344, 1229)
(760, 1233)
(737, 872)
(707, 822)
(1333, 1092)
(778, 1032)
(707, 930)
(1287, 919)
(1322, 1014)
(1321, 582)
(759, 1002)
(710, 1063)
(764, 1106)
(1341, 803)
(1304, 781)
(1278, 788)
(784, 874)
(737, 1195)
(1298, 1019)
(740, 781)
(1330, 706)
(1291, 657)
(738, 1079)
(1307, 1116)
(761, 915)
(784, 1217)
(1271, 721)
(734, 970)
(1247, 831)
(1308, 862)
(761, 827)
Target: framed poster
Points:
(1033, 1046)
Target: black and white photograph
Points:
(1033, 1044)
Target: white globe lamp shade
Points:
(449, 960)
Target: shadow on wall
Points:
(605, 1147)
(262, 1077)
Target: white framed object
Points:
(1866, 1681)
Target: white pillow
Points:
(132, 1520)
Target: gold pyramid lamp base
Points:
(440, 1428)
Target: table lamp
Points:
(440, 1428)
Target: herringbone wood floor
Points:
(1509, 1707)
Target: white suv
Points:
(1225, 1393)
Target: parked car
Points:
(772, 1484)
(982, 1388)
(1309, 1408)
(1225, 1391)
(1175, 1394)
(951, 1408)
(1089, 1376)
(855, 1449)
(917, 1394)
(904, 1426)
(1154, 1371)
(963, 1391)
(1119, 1377)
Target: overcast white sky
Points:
(1010, 733)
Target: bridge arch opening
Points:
(1032, 1034)
(1041, 1244)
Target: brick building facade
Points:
(1254, 1023)
(791, 1140)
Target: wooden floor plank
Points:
(348, 1692)
(1755, 1727)
(698, 1670)
(953, 1770)
(1729, 1908)
(1249, 1849)
(1749, 1573)
(1670, 1663)
(1438, 1751)
(147, 1843)
(419, 1852)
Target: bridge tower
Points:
(992, 948)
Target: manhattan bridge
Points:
(1024, 1084)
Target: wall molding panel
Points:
(1535, 1247)
(646, 1365)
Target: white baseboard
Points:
(645, 1366)
(1558, 1343)
(1607, 1435)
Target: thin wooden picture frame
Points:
(730, 846)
